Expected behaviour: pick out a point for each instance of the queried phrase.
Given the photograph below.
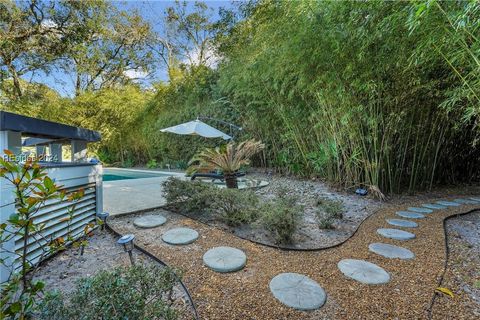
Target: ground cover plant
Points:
(136, 292)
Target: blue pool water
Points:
(118, 174)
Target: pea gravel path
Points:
(245, 294)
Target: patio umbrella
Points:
(198, 128)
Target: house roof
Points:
(45, 129)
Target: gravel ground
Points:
(102, 253)
(308, 234)
(463, 272)
(245, 294)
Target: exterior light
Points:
(127, 242)
(103, 216)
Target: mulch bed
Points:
(245, 294)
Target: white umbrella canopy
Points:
(199, 128)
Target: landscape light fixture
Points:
(103, 216)
(127, 242)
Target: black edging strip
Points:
(447, 255)
(447, 250)
(145, 252)
(271, 245)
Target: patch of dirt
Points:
(102, 253)
(463, 270)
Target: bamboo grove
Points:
(367, 93)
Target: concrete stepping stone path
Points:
(402, 223)
(449, 203)
(465, 201)
(420, 210)
(363, 271)
(434, 206)
(180, 236)
(297, 291)
(225, 259)
(395, 234)
(410, 215)
(391, 251)
(150, 221)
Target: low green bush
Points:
(152, 164)
(138, 292)
(324, 220)
(234, 207)
(331, 208)
(187, 196)
(281, 217)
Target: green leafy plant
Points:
(281, 217)
(324, 220)
(188, 196)
(136, 292)
(228, 159)
(333, 208)
(232, 206)
(32, 188)
(152, 163)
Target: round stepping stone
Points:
(150, 221)
(410, 215)
(225, 259)
(180, 236)
(395, 234)
(465, 201)
(433, 206)
(363, 271)
(449, 203)
(391, 251)
(420, 210)
(402, 223)
(297, 291)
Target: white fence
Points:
(71, 177)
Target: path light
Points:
(103, 216)
(127, 242)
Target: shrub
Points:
(188, 196)
(233, 206)
(138, 292)
(281, 217)
(324, 220)
(332, 208)
(152, 163)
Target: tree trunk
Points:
(16, 80)
(231, 181)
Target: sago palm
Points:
(229, 159)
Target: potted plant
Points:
(228, 159)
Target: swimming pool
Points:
(110, 174)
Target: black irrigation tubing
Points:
(155, 258)
(447, 255)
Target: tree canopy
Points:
(368, 93)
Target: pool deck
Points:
(123, 196)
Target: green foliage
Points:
(187, 196)
(137, 292)
(152, 163)
(232, 206)
(32, 188)
(281, 217)
(324, 220)
(379, 94)
(331, 207)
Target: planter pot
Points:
(231, 181)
